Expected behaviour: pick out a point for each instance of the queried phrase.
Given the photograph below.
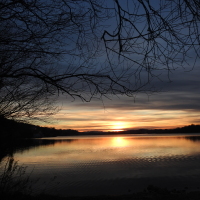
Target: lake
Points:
(112, 165)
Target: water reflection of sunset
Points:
(92, 159)
(108, 148)
(119, 142)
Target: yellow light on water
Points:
(119, 142)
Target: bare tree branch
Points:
(89, 49)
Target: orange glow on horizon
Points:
(86, 129)
(118, 126)
(116, 130)
(98, 120)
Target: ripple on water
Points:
(109, 169)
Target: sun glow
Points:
(118, 126)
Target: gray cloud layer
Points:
(182, 93)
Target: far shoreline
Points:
(82, 136)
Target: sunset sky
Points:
(175, 104)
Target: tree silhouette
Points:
(89, 49)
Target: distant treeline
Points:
(12, 129)
(186, 129)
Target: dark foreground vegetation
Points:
(15, 184)
(150, 193)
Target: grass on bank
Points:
(13, 179)
(15, 184)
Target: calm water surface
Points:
(97, 165)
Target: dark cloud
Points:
(182, 93)
(163, 101)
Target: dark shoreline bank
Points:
(150, 193)
(18, 130)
